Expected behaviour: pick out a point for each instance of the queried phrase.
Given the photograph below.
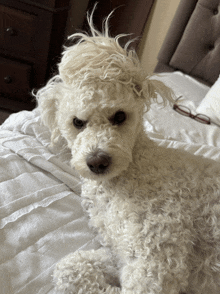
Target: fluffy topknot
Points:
(99, 58)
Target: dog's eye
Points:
(78, 123)
(118, 118)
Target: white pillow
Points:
(210, 105)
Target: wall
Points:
(76, 16)
(155, 31)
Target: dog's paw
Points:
(81, 273)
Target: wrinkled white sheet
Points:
(171, 129)
(41, 219)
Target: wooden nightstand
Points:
(31, 39)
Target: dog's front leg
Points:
(87, 272)
(143, 277)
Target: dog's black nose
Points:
(98, 162)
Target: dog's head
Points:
(96, 103)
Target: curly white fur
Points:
(156, 209)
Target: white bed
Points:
(41, 219)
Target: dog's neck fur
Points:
(142, 149)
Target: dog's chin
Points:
(97, 177)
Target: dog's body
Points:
(157, 210)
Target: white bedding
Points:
(41, 219)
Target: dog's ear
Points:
(48, 99)
(155, 90)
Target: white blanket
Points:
(41, 219)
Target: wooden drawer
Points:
(31, 37)
(15, 79)
(17, 29)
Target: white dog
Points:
(157, 210)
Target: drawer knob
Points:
(8, 80)
(11, 32)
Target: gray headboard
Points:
(192, 44)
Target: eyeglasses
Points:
(187, 112)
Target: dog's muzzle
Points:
(98, 162)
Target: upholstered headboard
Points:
(192, 44)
